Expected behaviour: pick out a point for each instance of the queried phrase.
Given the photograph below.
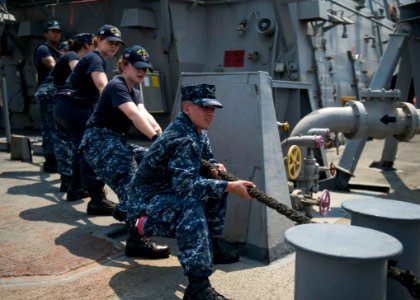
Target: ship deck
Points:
(50, 248)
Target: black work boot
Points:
(99, 205)
(65, 183)
(76, 194)
(141, 246)
(50, 164)
(199, 288)
(75, 191)
(119, 214)
(222, 255)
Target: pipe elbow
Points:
(336, 119)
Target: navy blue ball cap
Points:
(111, 33)
(63, 45)
(53, 24)
(138, 57)
(84, 38)
(200, 94)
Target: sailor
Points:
(79, 46)
(75, 102)
(45, 58)
(169, 197)
(104, 143)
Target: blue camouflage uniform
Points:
(45, 94)
(74, 106)
(179, 202)
(63, 147)
(112, 159)
(104, 144)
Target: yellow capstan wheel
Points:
(293, 162)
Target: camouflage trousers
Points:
(64, 152)
(112, 159)
(45, 96)
(54, 141)
(191, 221)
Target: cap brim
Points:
(142, 64)
(210, 102)
(54, 27)
(114, 39)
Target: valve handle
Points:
(293, 162)
(324, 202)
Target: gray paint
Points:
(396, 218)
(192, 37)
(335, 261)
(393, 53)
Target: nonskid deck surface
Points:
(50, 248)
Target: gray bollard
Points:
(399, 219)
(20, 148)
(335, 261)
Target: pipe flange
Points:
(380, 94)
(412, 116)
(296, 198)
(360, 117)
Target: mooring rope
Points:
(260, 196)
(406, 278)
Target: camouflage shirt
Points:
(172, 165)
